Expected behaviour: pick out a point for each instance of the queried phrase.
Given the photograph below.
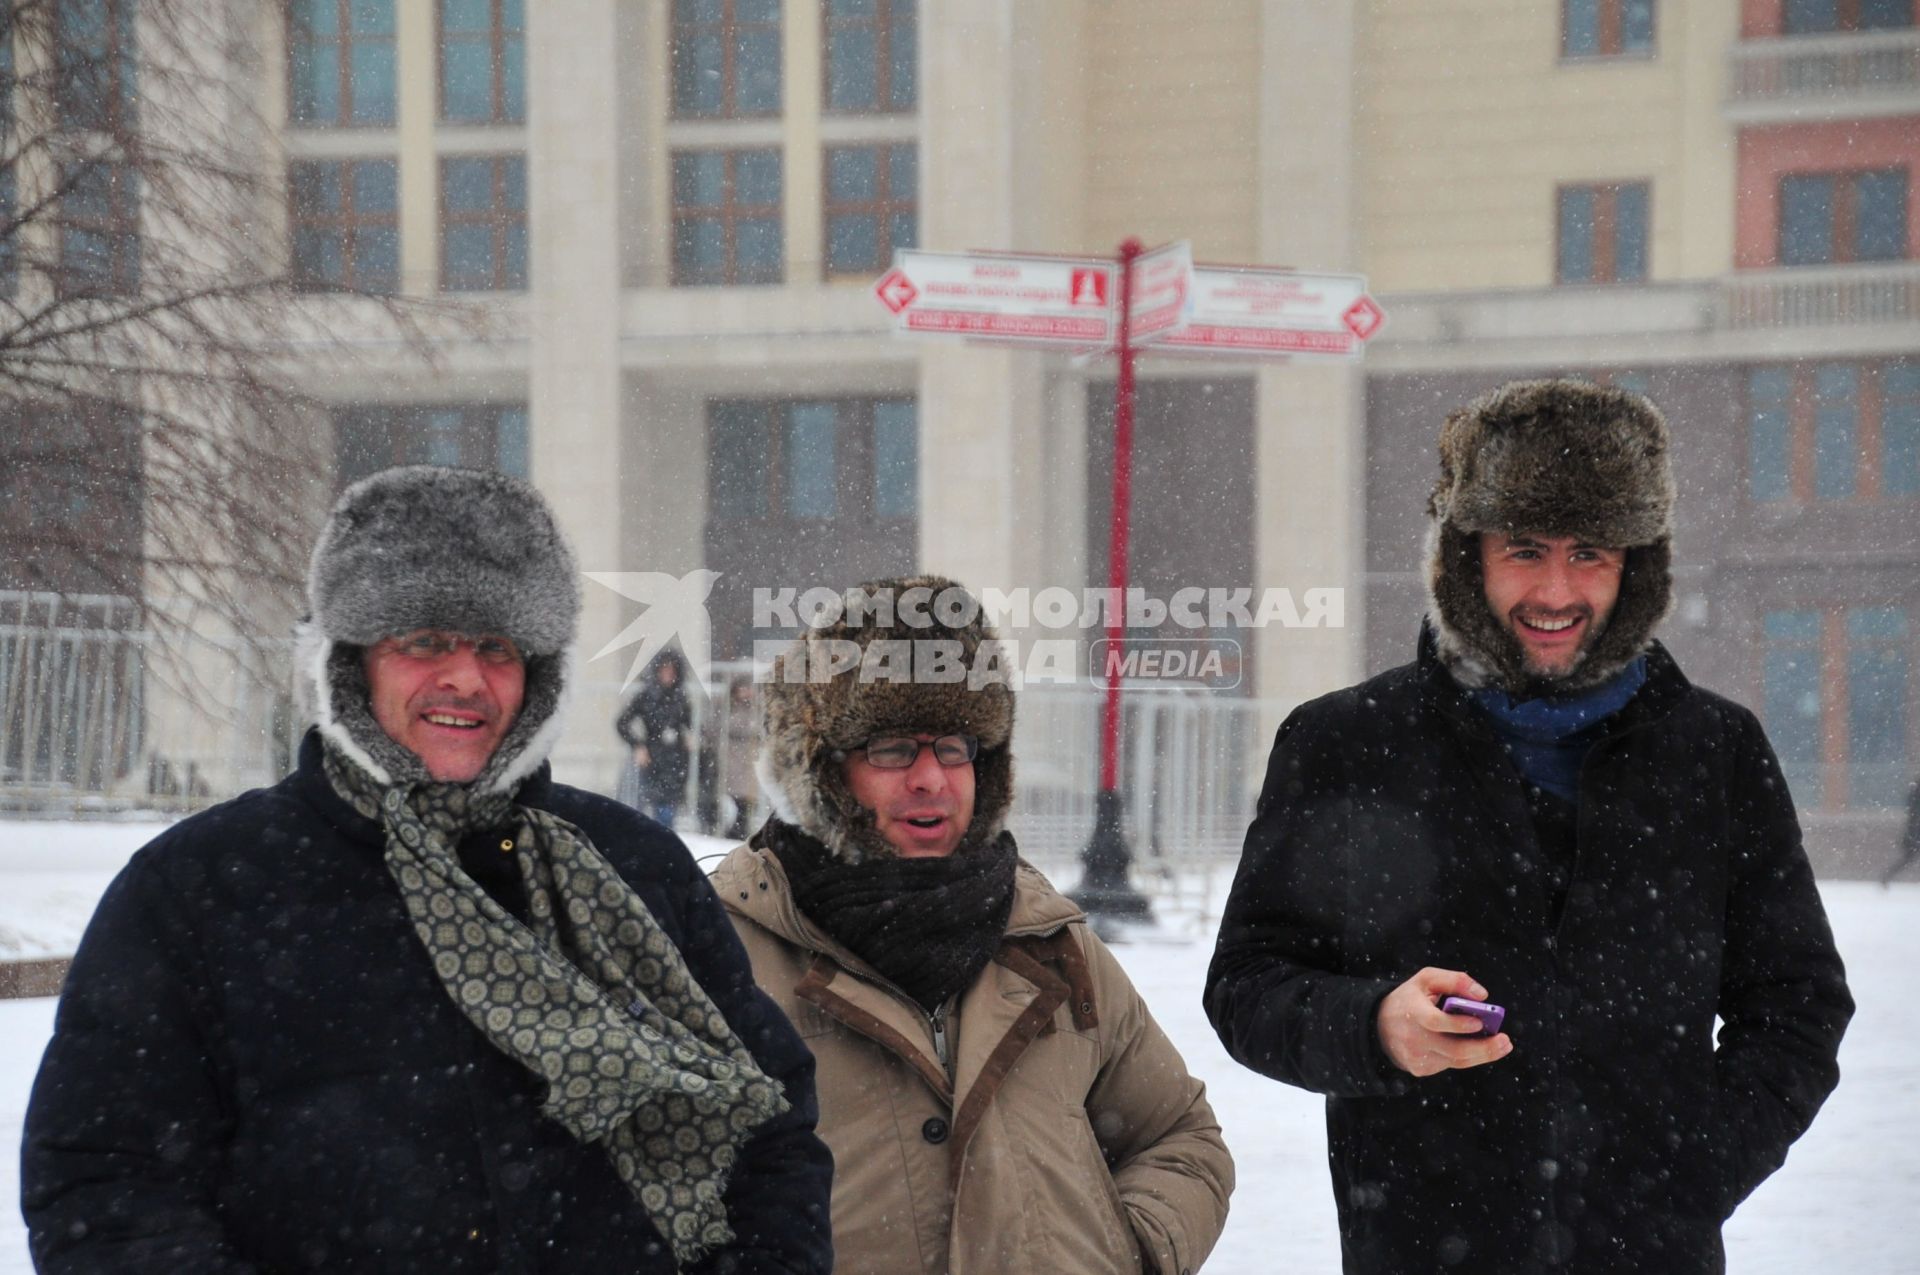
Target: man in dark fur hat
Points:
(418, 1008)
(1542, 812)
(995, 1092)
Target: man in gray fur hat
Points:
(418, 1008)
(996, 1094)
(1540, 812)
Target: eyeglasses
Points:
(897, 752)
(432, 644)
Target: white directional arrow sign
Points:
(1256, 310)
(1029, 300)
(1162, 282)
(1174, 306)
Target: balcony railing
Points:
(1876, 72)
(1817, 296)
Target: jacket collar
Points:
(309, 783)
(753, 882)
(1665, 687)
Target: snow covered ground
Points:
(1842, 1198)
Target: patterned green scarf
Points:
(590, 995)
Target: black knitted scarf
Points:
(929, 925)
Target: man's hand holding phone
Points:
(1422, 1039)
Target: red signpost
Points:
(1105, 889)
(1064, 301)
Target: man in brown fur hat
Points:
(996, 1095)
(1542, 812)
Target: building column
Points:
(802, 166)
(1310, 442)
(573, 315)
(1704, 35)
(985, 489)
(416, 112)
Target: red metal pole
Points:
(1118, 524)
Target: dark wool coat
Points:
(663, 717)
(255, 1068)
(1393, 833)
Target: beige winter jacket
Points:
(1065, 1136)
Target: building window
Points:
(1836, 423)
(726, 218)
(1602, 234)
(812, 440)
(1834, 432)
(1839, 217)
(1605, 28)
(872, 206)
(346, 225)
(871, 55)
(100, 230)
(814, 460)
(738, 462)
(1770, 434)
(896, 459)
(94, 64)
(368, 439)
(9, 191)
(1900, 430)
(483, 212)
(483, 62)
(1791, 699)
(1877, 647)
(1837, 694)
(726, 58)
(340, 62)
(72, 514)
(9, 248)
(804, 493)
(1811, 17)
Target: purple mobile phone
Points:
(1490, 1016)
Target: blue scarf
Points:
(1549, 736)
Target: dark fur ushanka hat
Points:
(811, 725)
(1549, 458)
(429, 547)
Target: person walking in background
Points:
(997, 1096)
(655, 725)
(1540, 811)
(418, 1008)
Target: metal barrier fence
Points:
(91, 713)
(94, 711)
(1191, 765)
(71, 685)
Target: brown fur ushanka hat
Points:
(811, 724)
(1549, 458)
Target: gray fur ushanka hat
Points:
(810, 725)
(429, 547)
(1549, 458)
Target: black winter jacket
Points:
(1393, 833)
(255, 1069)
